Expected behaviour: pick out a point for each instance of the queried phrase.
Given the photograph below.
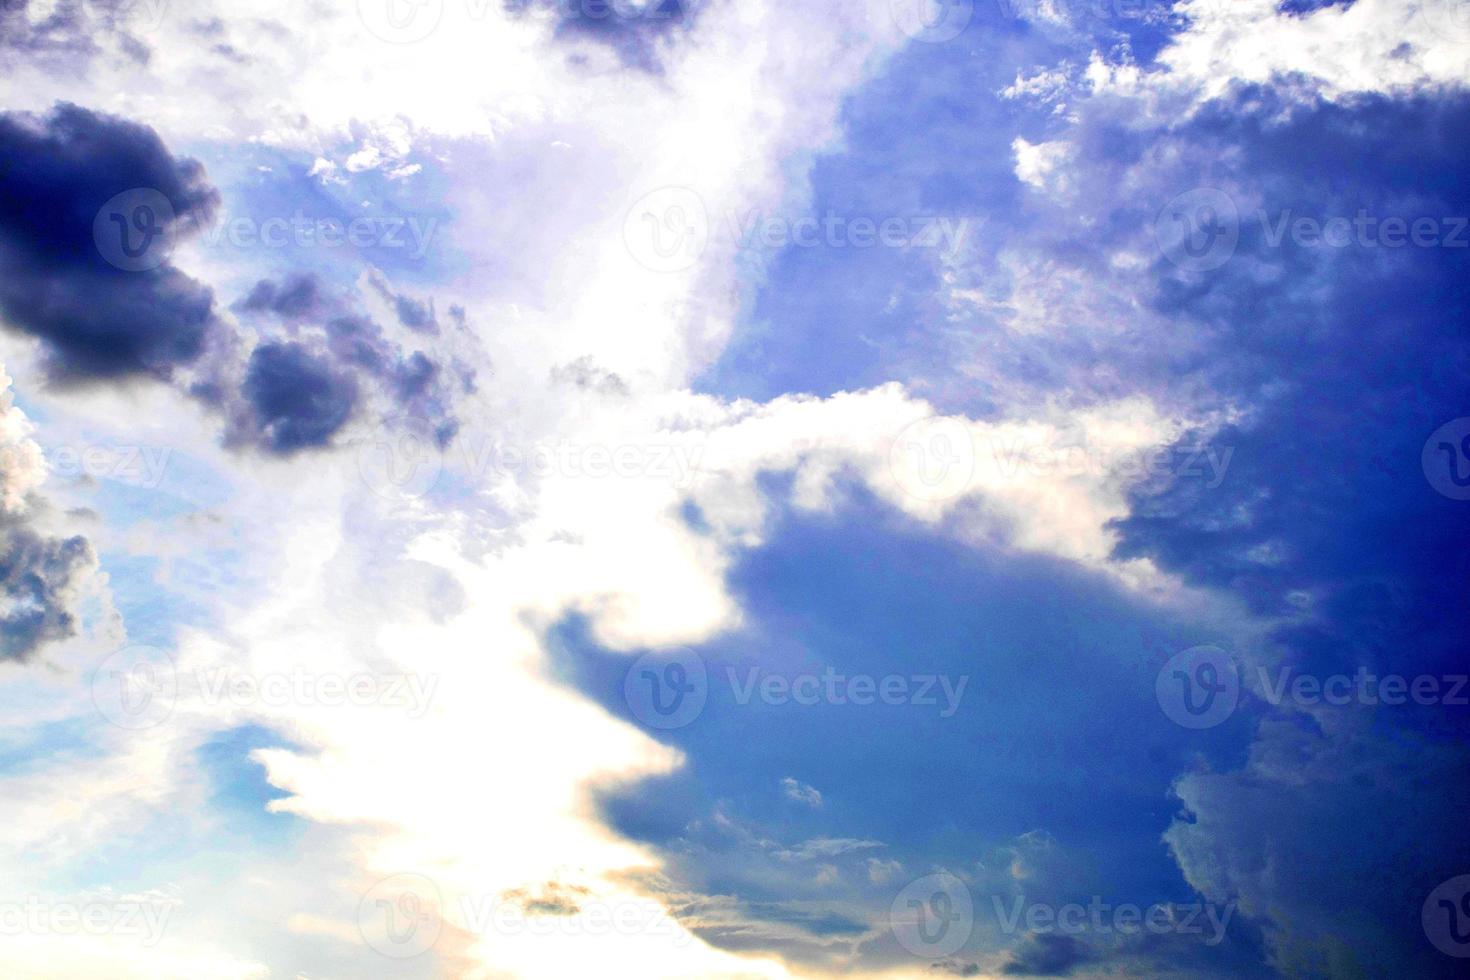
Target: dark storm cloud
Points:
(1350, 357)
(632, 30)
(39, 576)
(299, 398)
(96, 287)
(1046, 954)
(299, 295)
(354, 349)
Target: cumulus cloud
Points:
(298, 400)
(40, 575)
(298, 393)
(88, 207)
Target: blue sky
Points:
(729, 489)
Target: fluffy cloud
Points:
(40, 575)
(88, 206)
